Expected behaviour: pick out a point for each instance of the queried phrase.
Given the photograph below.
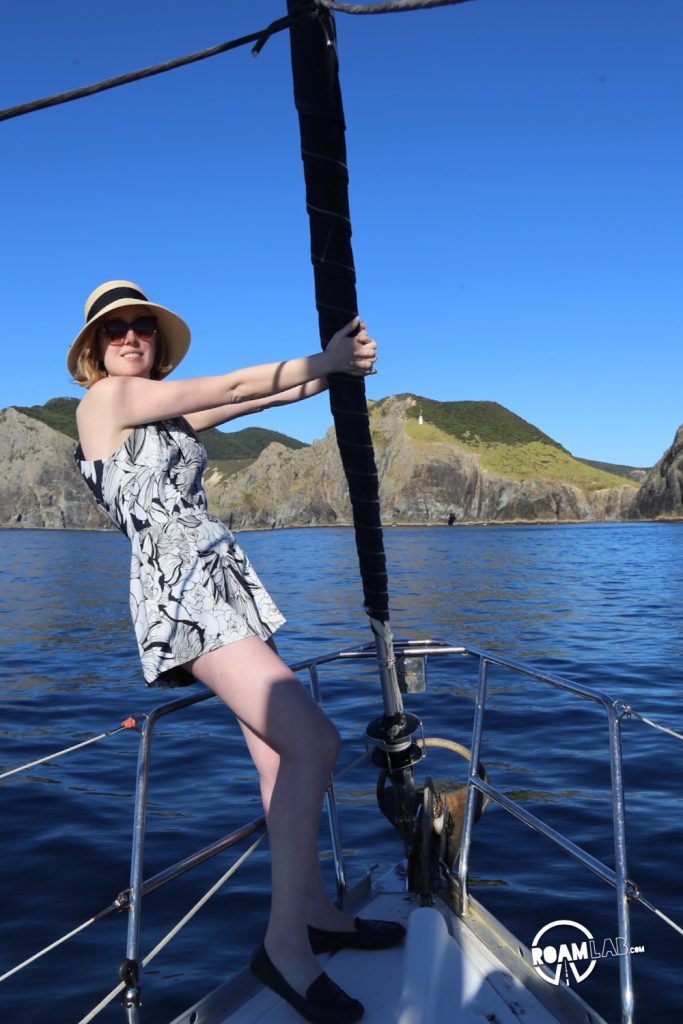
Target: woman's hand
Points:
(350, 352)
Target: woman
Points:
(200, 611)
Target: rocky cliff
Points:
(426, 476)
(421, 481)
(40, 485)
(661, 493)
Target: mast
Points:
(317, 96)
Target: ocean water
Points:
(599, 604)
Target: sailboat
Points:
(458, 963)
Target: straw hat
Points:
(116, 294)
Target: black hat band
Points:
(113, 295)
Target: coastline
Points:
(431, 525)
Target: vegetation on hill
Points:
(247, 444)
(478, 422)
(504, 443)
(244, 444)
(637, 473)
(58, 413)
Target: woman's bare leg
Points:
(320, 908)
(271, 702)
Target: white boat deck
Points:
(444, 973)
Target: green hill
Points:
(504, 443)
(243, 445)
(630, 472)
(479, 423)
(58, 413)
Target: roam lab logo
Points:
(564, 947)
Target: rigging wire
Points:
(119, 903)
(629, 712)
(177, 927)
(308, 9)
(129, 723)
(391, 7)
(58, 942)
(258, 38)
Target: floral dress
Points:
(192, 588)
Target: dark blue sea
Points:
(599, 604)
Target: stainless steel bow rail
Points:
(412, 656)
(627, 890)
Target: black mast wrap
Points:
(321, 119)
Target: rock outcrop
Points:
(418, 484)
(423, 479)
(41, 486)
(661, 493)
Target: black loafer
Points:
(324, 1002)
(368, 935)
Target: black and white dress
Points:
(192, 588)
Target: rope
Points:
(129, 723)
(177, 927)
(392, 7)
(259, 38)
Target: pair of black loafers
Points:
(325, 1002)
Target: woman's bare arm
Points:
(224, 413)
(116, 404)
(208, 418)
(125, 402)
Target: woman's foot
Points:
(294, 958)
(326, 915)
(364, 934)
(323, 1003)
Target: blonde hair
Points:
(90, 365)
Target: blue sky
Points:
(516, 175)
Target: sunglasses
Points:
(143, 326)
